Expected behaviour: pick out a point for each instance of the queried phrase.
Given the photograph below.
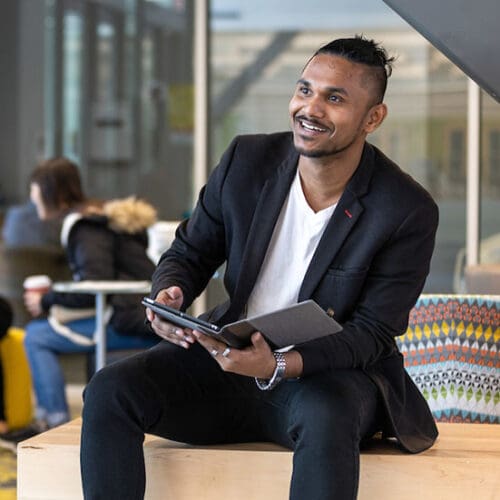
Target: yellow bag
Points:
(16, 379)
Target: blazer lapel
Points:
(337, 230)
(268, 208)
(342, 222)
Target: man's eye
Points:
(334, 98)
(304, 90)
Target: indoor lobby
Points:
(144, 96)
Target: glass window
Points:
(493, 164)
(124, 111)
(72, 77)
(258, 50)
(110, 84)
(457, 156)
(489, 248)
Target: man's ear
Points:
(375, 117)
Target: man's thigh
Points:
(322, 405)
(195, 400)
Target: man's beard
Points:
(333, 151)
(321, 153)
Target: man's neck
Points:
(324, 179)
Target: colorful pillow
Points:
(451, 351)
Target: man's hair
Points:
(363, 51)
(59, 182)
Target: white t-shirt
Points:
(293, 243)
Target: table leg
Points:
(100, 331)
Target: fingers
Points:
(208, 343)
(171, 296)
(257, 360)
(258, 341)
(171, 333)
(226, 356)
(175, 293)
(32, 301)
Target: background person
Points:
(28, 246)
(22, 228)
(103, 241)
(314, 214)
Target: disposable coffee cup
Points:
(37, 283)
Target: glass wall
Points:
(109, 83)
(490, 182)
(258, 50)
(119, 91)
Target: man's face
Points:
(331, 107)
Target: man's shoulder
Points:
(392, 195)
(276, 143)
(392, 178)
(77, 227)
(258, 155)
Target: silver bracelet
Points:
(279, 372)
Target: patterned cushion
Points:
(451, 351)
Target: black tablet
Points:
(292, 325)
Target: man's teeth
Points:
(312, 127)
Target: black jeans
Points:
(184, 395)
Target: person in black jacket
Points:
(319, 214)
(103, 241)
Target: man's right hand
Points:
(172, 297)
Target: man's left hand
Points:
(257, 360)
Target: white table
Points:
(102, 288)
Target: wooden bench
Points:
(462, 465)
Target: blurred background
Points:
(111, 85)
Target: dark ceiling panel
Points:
(466, 32)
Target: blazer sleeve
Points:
(199, 247)
(394, 281)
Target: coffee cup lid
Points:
(37, 281)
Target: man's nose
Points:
(315, 106)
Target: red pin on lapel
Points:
(348, 213)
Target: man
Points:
(316, 214)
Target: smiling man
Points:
(317, 214)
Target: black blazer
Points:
(370, 265)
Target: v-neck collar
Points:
(305, 208)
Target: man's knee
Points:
(324, 411)
(107, 382)
(117, 390)
(321, 411)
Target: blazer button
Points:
(330, 312)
